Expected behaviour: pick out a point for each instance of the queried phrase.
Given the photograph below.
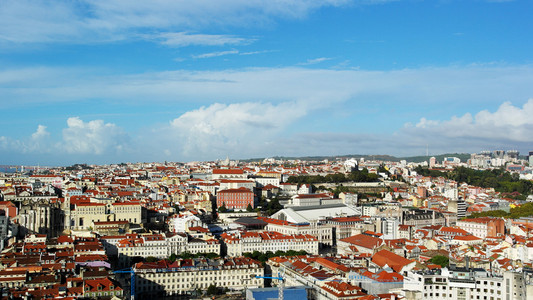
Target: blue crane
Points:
(280, 285)
(132, 279)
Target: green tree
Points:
(212, 290)
(172, 257)
(440, 260)
(223, 208)
(249, 208)
(151, 259)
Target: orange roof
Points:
(363, 240)
(385, 257)
(228, 171)
(239, 190)
(467, 238)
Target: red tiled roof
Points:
(363, 240)
(385, 257)
(228, 171)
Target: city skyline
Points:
(98, 83)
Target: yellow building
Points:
(82, 216)
(127, 211)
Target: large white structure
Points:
(160, 246)
(182, 223)
(464, 284)
(323, 232)
(311, 214)
(247, 241)
(186, 276)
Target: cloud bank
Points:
(250, 129)
(25, 21)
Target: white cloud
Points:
(38, 142)
(470, 84)
(215, 54)
(23, 21)
(4, 142)
(296, 96)
(41, 133)
(506, 128)
(316, 60)
(244, 128)
(508, 123)
(184, 39)
(93, 137)
(228, 52)
(255, 52)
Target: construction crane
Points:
(132, 280)
(280, 285)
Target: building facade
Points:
(187, 276)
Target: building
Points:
(82, 215)
(463, 284)
(247, 241)
(312, 214)
(262, 181)
(185, 276)
(42, 216)
(236, 198)
(483, 227)
(344, 227)
(388, 227)
(227, 184)
(322, 231)
(419, 218)
(228, 174)
(398, 263)
(359, 243)
(161, 246)
(458, 207)
(126, 211)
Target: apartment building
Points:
(483, 227)
(463, 284)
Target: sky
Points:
(104, 82)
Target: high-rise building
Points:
(432, 162)
(459, 207)
(512, 155)
(498, 153)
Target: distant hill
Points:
(462, 156)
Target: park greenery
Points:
(499, 179)
(356, 175)
(270, 207)
(525, 210)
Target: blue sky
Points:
(116, 81)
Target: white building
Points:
(264, 181)
(247, 241)
(161, 246)
(462, 284)
(183, 277)
(323, 232)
